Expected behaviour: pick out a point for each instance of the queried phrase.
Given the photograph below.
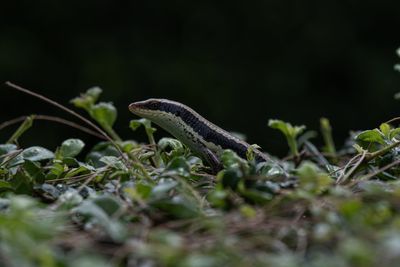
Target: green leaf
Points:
(71, 147)
(109, 204)
(256, 196)
(161, 189)
(135, 124)
(26, 125)
(231, 160)
(5, 186)
(250, 155)
(177, 207)
(7, 148)
(171, 143)
(393, 133)
(170, 148)
(385, 129)
(104, 113)
(311, 179)
(114, 162)
(286, 128)
(373, 136)
(21, 183)
(290, 132)
(97, 214)
(37, 153)
(179, 165)
(35, 171)
(88, 99)
(230, 177)
(100, 150)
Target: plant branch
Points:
(53, 119)
(54, 103)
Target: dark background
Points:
(238, 63)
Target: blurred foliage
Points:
(155, 204)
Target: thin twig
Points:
(353, 169)
(343, 175)
(54, 103)
(370, 175)
(393, 120)
(88, 180)
(53, 119)
(381, 152)
(75, 178)
(12, 155)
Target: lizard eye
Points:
(153, 105)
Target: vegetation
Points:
(126, 203)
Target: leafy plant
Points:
(127, 203)
(291, 133)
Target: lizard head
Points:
(155, 109)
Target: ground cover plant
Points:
(155, 204)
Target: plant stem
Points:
(157, 157)
(326, 131)
(381, 152)
(293, 146)
(21, 129)
(112, 133)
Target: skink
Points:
(203, 137)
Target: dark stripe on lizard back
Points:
(200, 127)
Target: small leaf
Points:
(26, 125)
(311, 179)
(88, 99)
(290, 132)
(230, 159)
(172, 143)
(5, 186)
(95, 214)
(37, 153)
(170, 148)
(34, 170)
(385, 129)
(71, 147)
(256, 196)
(7, 148)
(250, 155)
(161, 189)
(114, 162)
(48, 190)
(179, 165)
(100, 150)
(109, 204)
(393, 133)
(286, 128)
(135, 124)
(178, 207)
(104, 113)
(373, 136)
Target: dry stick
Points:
(365, 158)
(355, 166)
(370, 175)
(54, 103)
(393, 120)
(12, 155)
(88, 180)
(53, 119)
